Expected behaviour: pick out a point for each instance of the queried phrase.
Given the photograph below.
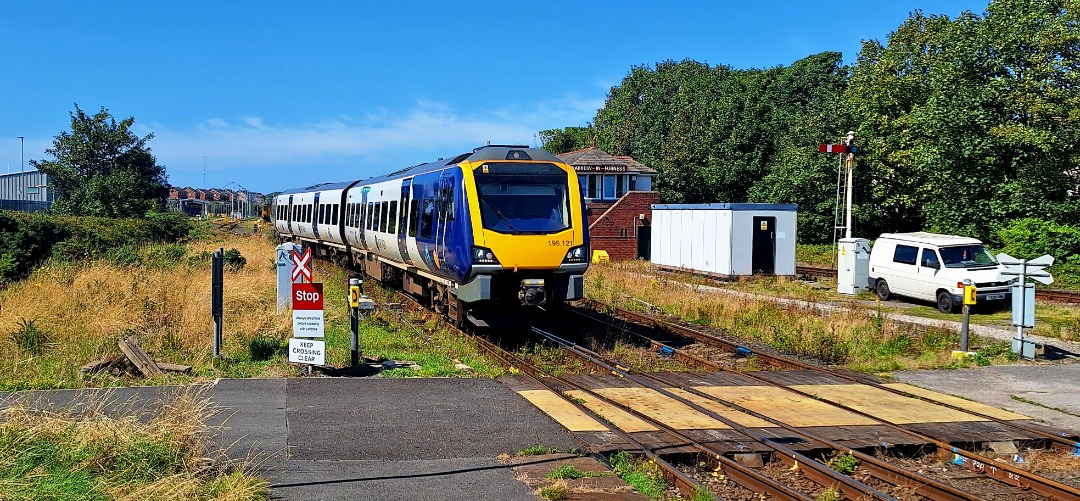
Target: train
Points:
(476, 237)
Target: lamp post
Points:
(22, 180)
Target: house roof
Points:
(595, 157)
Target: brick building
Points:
(618, 201)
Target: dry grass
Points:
(106, 450)
(86, 309)
(854, 337)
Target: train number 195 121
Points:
(560, 243)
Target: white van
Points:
(933, 267)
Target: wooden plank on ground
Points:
(166, 366)
(142, 361)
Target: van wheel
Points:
(945, 302)
(883, 291)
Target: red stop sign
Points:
(307, 296)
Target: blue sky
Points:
(273, 95)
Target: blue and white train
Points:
(499, 226)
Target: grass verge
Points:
(856, 337)
(69, 313)
(92, 455)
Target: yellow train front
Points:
(530, 242)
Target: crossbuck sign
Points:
(302, 265)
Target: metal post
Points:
(217, 272)
(354, 319)
(847, 193)
(1018, 345)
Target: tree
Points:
(101, 168)
(559, 141)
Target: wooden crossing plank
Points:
(563, 412)
(785, 406)
(885, 405)
(623, 420)
(957, 401)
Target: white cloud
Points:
(285, 155)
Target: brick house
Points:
(618, 201)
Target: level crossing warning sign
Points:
(307, 306)
(302, 265)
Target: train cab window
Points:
(427, 218)
(383, 212)
(414, 218)
(524, 198)
(334, 217)
(391, 225)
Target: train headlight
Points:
(483, 255)
(575, 255)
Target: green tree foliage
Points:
(559, 141)
(716, 134)
(101, 168)
(970, 123)
(964, 125)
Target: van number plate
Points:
(995, 296)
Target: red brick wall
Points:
(606, 229)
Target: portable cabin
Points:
(727, 239)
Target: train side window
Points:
(414, 219)
(352, 215)
(321, 212)
(310, 213)
(383, 212)
(370, 211)
(334, 217)
(378, 216)
(391, 225)
(427, 218)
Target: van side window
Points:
(905, 254)
(929, 259)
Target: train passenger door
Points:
(403, 220)
(363, 215)
(289, 216)
(315, 216)
(444, 197)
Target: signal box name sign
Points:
(307, 306)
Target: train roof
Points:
(489, 152)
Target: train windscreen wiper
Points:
(500, 214)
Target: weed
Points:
(262, 347)
(537, 450)
(556, 492)
(643, 476)
(829, 494)
(568, 472)
(233, 261)
(30, 338)
(844, 464)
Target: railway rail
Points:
(972, 461)
(1055, 295)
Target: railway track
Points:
(880, 478)
(1055, 295)
(974, 462)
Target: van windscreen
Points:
(966, 256)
